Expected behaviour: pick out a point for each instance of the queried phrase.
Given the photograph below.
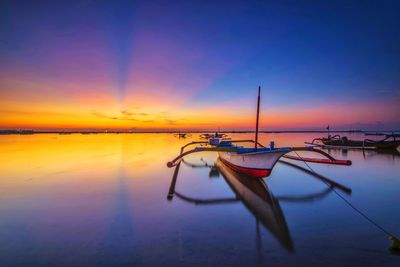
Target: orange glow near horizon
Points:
(152, 105)
(106, 114)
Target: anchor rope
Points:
(349, 203)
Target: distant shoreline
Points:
(61, 132)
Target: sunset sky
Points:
(197, 64)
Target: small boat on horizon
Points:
(207, 136)
(182, 135)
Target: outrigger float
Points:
(257, 161)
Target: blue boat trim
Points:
(241, 150)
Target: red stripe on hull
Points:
(259, 173)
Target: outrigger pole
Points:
(257, 118)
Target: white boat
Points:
(255, 161)
(258, 163)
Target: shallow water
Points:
(101, 200)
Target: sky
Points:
(181, 65)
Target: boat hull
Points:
(257, 164)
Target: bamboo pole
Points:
(257, 118)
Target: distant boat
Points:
(207, 136)
(182, 135)
(344, 142)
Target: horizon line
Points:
(71, 131)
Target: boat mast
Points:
(258, 114)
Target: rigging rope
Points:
(396, 241)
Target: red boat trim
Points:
(259, 173)
(324, 161)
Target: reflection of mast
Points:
(261, 203)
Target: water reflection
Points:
(255, 195)
(96, 200)
(366, 153)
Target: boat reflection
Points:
(256, 197)
(259, 200)
(389, 154)
(366, 153)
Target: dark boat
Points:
(182, 135)
(389, 142)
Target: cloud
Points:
(172, 122)
(126, 116)
(100, 115)
(389, 93)
(129, 113)
(126, 112)
(105, 116)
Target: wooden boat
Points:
(389, 142)
(256, 161)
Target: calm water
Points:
(101, 200)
